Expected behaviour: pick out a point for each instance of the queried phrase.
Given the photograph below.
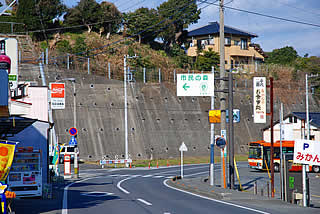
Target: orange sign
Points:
(57, 90)
(214, 116)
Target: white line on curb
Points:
(145, 202)
(211, 199)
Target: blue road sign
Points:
(221, 142)
(236, 116)
(73, 141)
(73, 131)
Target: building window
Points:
(211, 41)
(295, 119)
(244, 44)
(290, 119)
(236, 42)
(227, 41)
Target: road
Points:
(141, 191)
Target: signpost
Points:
(73, 131)
(57, 92)
(195, 84)
(306, 152)
(73, 141)
(183, 148)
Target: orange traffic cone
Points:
(157, 164)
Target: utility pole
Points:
(126, 105)
(222, 76)
(125, 108)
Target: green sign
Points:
(12, 77)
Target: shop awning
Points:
(10, 126)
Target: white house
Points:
(295, 127)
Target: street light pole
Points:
(76, 165)
(125, 108)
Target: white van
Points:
(68, 150)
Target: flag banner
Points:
(6, 157)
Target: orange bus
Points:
(259, 155)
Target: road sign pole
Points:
(181, 164)
(231, 133)
(212, 180)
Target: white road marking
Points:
(158, 176)
(97, 194)
(146, 176)
(122, 189)
(145, 202)
(65, 196)
(211, 199)
(169, 177)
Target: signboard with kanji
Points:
(57, 92)
(259, 100)
(195, 85)
(306, 152)
(214, 116)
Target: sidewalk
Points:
(201, 186)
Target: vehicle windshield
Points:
(255, 152)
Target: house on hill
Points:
(295, 127)
(240, 53)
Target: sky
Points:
(272, 33)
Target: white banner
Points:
(306, 152)
(259, 100)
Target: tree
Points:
(284, 56)
(208, 59)
(111, 17)
(87, 12)
(179, 14)
(139, 24)
(39, 14)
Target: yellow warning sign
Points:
(214, 116)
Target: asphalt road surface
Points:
(142, 191)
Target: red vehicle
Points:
(259, 155)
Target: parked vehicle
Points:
(70, 150)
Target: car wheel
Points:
(276, 167)
(316, 169)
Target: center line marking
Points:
(145, 202)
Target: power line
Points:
(264, 15)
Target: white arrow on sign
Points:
(183, 148)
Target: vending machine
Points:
(25, 177)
